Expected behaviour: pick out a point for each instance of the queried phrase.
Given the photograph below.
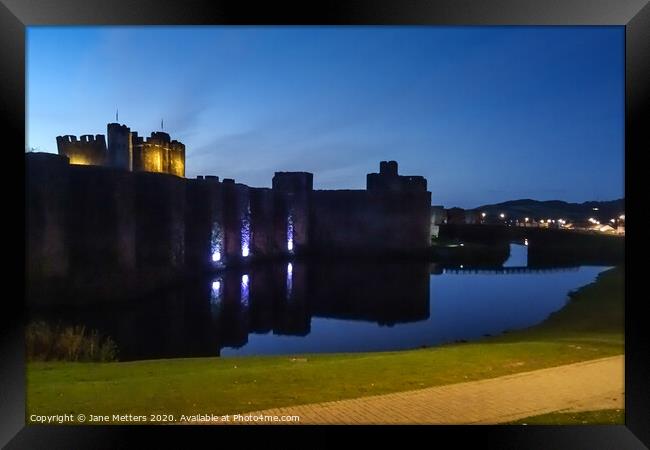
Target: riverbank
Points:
(589, 327)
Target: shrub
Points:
(45, 342)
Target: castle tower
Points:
(388, 168)
(176, 159)
(388, 179)
(158, 153)
(120, 146)
(155, 153)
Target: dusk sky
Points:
(486, 114)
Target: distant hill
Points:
(556, 209)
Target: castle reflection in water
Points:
(282, 298)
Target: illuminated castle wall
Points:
(88, 150)
(135, 224)
(158, 153)
(126, 150)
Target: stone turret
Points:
(160, 154)
(120, 146)
(176, 159)
(388, 180)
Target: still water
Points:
(300, 307)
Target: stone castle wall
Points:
(104, 234)
(360, 222)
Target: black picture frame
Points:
(634, 15)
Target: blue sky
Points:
(486, 114)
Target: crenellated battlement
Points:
(85, 138)
(66, 138)
(118, 127)
(159, 137)
(88, 149)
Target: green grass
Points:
(595, 312)
(600, 417)
(589, 327)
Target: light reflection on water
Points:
(298, 307)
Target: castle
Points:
(125, 150)
(112, 219)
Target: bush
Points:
(56, 343)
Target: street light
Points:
(483, 215)
(502, 215)
(526, 219)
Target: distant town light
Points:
(502, 215)
(461, 266)
(595, 209)
(526, 219)
(245, 252)
(216, 285)
(483, 215)
(622, 217)
(216, 256)
(612, 220)
(462, 245)
(525, 241)
(541, 221)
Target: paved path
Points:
(588, 385)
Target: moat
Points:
(297, 307)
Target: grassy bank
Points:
(590, 326)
